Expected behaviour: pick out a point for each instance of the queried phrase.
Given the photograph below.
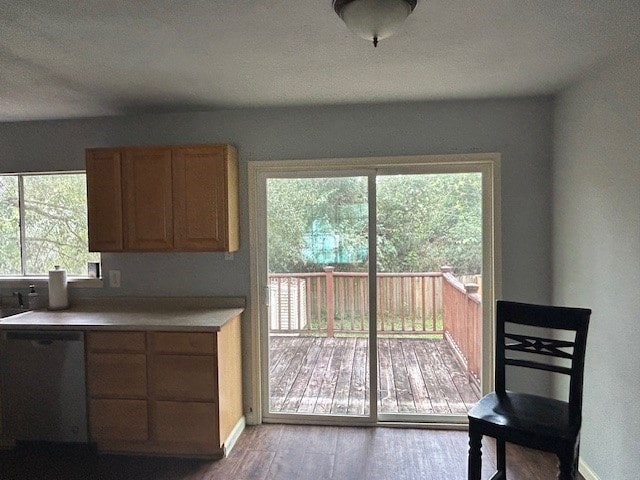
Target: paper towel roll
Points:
(58, 298)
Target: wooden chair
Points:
(533, 421)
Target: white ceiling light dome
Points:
(374, 20)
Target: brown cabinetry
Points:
(167, 198)
(171, 393)
(117, 385)
(147, 199)
(104, 199)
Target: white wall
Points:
(596, 252)
(520, 129)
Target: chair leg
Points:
(568, 464)
(501, 458)
(475, 456)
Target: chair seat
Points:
(525, 419)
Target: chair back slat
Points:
(522, 349)
(538, 345)
(538, 366)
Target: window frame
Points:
(23, 279)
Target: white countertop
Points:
(203, 314)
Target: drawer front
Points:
(183, 342)
(186, 422)
(124, 342)
(118, 420)
(183, 377)
(117, 375)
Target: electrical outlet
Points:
(114, 278)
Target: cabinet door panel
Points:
(181, 342)
(148, 212)
(117, 375)
(186, 422)
(104, 199)
(124, 420)
(183, 377)
(200, 198)
(121, 342)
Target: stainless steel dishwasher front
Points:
(42, 375)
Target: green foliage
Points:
(424, 221)
(295, 205)
(55, 224)
(9, 226)
(427, 221)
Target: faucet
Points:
(20, 299)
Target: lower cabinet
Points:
(118, 420)
(164, 393)
(187, 423)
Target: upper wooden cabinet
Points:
(104, 200)
(205, 198)
(147, 189)
(167, 198)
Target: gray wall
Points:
(520, 129)
(596, 252)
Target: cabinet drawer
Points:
(186, 422)
(179, 342)
(183, 377)
(124, 342)
(124, 420)
(117, 375)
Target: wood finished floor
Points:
(292, 452)
(330, 376)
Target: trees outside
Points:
(9, 226)
(427, 221)
(55, 224)
(316, 221)
(423, 222)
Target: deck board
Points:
(317, 375)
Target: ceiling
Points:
(64, 59)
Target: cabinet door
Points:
(118, 420)
(116, 342)
(104, 199)
(183, 342)
(147, 207)
(203, 197)
(187, 424)
(183, 377)
(122, 375)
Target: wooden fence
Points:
(329, 303)
(462, 319)
(333, 302)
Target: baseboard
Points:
(586, 471)
(234, 435)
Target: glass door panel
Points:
(318, 302)
(429, 257)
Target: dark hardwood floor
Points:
(290, 452)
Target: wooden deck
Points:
(316, 375)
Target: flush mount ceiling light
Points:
(374, 20)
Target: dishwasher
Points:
(42, 380)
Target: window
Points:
(43, 222)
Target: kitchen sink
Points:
(9, 312)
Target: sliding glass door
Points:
(412, 237)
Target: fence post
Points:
(471, 288)
(330, 299)
(473, 363)
(446, 298)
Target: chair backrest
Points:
(551, 352)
